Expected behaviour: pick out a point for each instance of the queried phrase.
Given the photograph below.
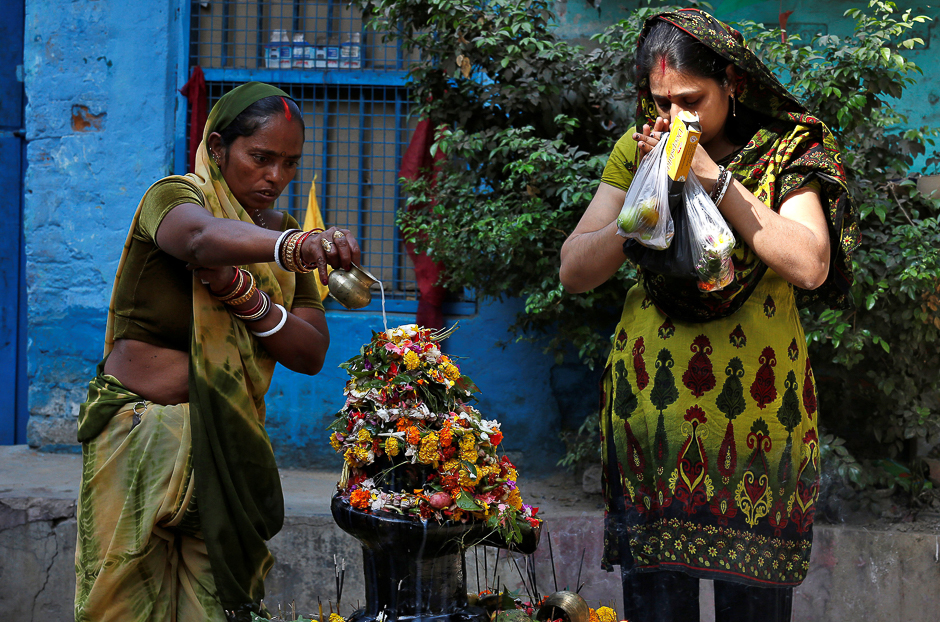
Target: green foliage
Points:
(527, 122)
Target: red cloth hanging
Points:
(195, 91)
(418, 163)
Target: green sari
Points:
(236, 478)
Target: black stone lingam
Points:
(415, 571)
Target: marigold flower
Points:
(429, 450)
(447, 435)
(592, 615)
(467, 479)
(606, 614)
(515, 500)
(335, 617)
(359, 499)
(391, 446)
(451, 465)
(450, 370)
(402, 424)
(365, 436)
(335, 442)
(413, 436)
(411, 360)
(468, 450)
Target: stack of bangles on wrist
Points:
(722, 183)
(241, 290)
(287, 251)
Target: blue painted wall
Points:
(102, 124)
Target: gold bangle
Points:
(288, 256)
(260, 313)
(236, 291)
(243, 299)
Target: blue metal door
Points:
(13, 411)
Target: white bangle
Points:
(277, 248)
(279, 326)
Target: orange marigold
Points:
(413, 436)
(402, 424)
(592, 616)
(515, 500)
(447, 435)
(360, 499)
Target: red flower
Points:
(496, 438)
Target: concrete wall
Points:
(101, 86)
(101, 79)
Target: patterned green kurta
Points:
(714, 427)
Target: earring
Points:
(734, 101)
(215, 157)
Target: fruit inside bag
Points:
(710, 238)
(645, 215)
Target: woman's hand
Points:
(219, 280)
(334, 247)
(650, 136)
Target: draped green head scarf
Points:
(791, 150)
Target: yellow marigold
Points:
(451, 465)
(365, 436)
(592, 615)
(413, 436)
(334, 441)
(467, 479)
(360, 499)
(391, 446)
(511, 474)
(429, 450)
(450, 370)
(468, 450)
(515, 500)
(335, 617)
(606, 614)
(357, 456)
(411, 360)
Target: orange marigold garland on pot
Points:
(408, 409)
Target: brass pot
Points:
(568, 606)
(351, 287)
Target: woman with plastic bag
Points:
(709, 409)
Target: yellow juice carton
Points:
(683, 138)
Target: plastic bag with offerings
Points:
(645, 215)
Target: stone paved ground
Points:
(858, 572)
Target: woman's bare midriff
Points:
(159, 375)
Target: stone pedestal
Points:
(414, 571)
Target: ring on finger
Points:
(338, 235)
(326, 244)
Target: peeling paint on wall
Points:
(84, 121)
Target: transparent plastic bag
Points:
(710, 238)
(702, 244)
(645, 215)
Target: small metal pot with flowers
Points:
(422, 479)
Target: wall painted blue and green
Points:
(103, 123)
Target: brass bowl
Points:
(568, 606)
(351, 287)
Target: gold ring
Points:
(338, 235)
(326, 244)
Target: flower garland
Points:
(407, 402)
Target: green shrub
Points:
(528, 121)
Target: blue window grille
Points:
(352, 89)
